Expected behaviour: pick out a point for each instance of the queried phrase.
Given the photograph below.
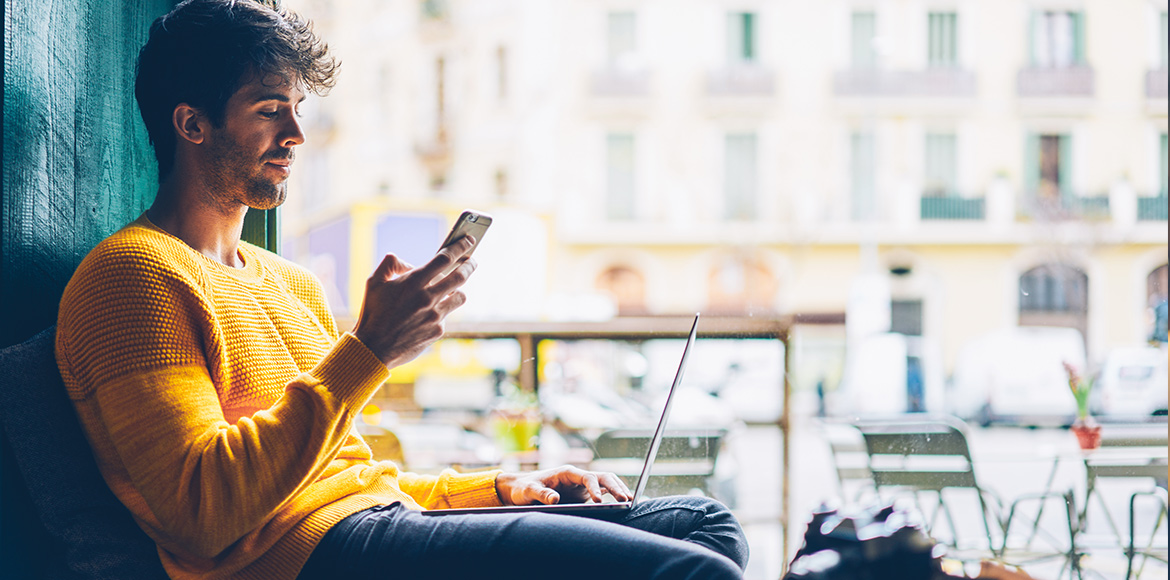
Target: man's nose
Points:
(293, 134)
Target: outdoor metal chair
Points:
(850, 460)
(930, 454)
(1151, 550)
(685, 462)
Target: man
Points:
(219, 399)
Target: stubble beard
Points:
(237, 178)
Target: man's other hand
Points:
(404, 308)
(559, 485)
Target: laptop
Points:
(599, 510)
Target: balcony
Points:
(923, 83)
(1151, 209)
(952, 208)
(1066, 206)
(1156, 84)
(618, 82)
(741, 81)
(1075, 81)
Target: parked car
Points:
(1015, 375)
(1132, 383)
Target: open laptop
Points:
(599, 510)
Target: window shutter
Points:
(1065, 168)
(1078, 37)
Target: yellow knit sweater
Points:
(220, 402)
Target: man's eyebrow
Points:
(275, 97)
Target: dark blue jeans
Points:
(681, 537)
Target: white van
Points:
(1132, 384)
(1015, 375)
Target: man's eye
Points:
(269, 114)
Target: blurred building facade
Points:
(974, 164)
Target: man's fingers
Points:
(447, 256)
(616, 487)
(390, 266)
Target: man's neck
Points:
(210, 229)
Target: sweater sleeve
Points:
(137, 350)
(450, 489)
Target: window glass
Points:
(941, 178)
(862, 174)
(739, 176)
(863, 33)
(619, 184)
(1058, 39)
(621, 37)
(741, 37)
(942, 39)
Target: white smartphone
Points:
(470, 222)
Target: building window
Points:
(627, 288)
(501, 73)
(1047, 167)
(1164, 172)
(1058, 39)
(1054, 295)
(863, 33)
(622, 38)
(1156, 292)
(941, 179)
(906, 317)
(740, 284)
(1165, 56)
(619, 185)
(942, 40)
(862, 171)
(739, 176)
(741, 37)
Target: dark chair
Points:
(92, 535)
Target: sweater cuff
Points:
(350, 371)
(476, 489)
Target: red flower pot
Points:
(1088, 433)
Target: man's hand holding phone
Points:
(404, 308)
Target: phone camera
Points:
(473, 218)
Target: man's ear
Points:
(189, 123)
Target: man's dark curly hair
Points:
(203, 51)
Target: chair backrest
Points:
(95, 535)
(924, 453)
(849, 453)
(1130, 451)
(678, 445)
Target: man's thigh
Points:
(394, 542)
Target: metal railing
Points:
(917, 83)
(1156, 84)
(1066, 206)
(1152, 208)
(1073, 81)
(952, 208)
(742, 80)
(614, 82)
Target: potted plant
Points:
(1086, 429)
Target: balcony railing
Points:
(1067, 206)
(748, 81)
(952, 208)
(1152, 208)
(1156, 84)
(923, 83)
(615, 82)
(1075, 81)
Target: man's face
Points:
(250, 155)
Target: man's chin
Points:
(266, 200)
